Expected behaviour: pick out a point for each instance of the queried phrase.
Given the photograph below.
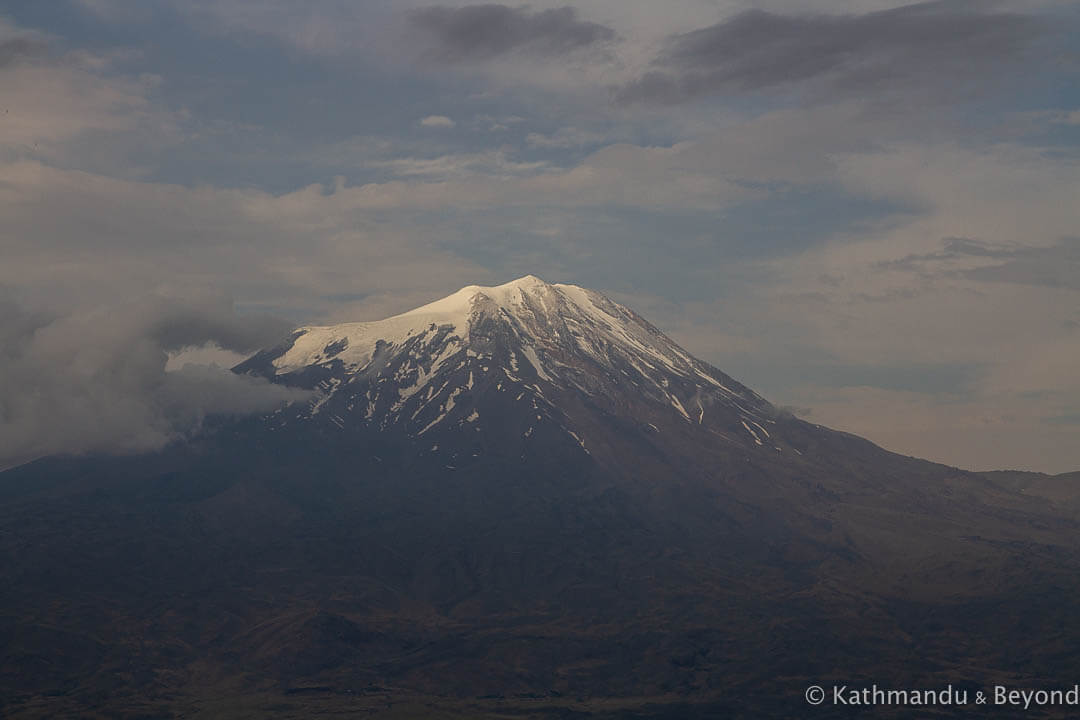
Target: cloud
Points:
(804, 229)
(982, 272)
(1057, 266)
(952, 248)
(483, 32)
(1053, 266)
(496, 124)
(1072, 418)
(50, 101)
(1004, 195)
(72, 237)
(437, 121)
(17, 47)
(943, 46)
(491, 164)
(563, 139)
(980, 434)
(95, 379)
(321, 29)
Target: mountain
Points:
(509, 365)
(524, 501)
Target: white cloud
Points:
(95, 379)
(563, 139)
(493, 164)
(437, 121)
(496, 124)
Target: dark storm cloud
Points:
(926, 45)
(482, 32)
(96, 380)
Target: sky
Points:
(865, 210)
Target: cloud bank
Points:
(849, 206)
(95, 380)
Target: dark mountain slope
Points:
(519, 501)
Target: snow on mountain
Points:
(534, 342)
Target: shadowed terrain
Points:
(565, 537)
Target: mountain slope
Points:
(522, 500)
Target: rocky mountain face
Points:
(521, 500)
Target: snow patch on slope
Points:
(534, 360)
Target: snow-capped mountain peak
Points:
(543, 345)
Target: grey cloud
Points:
(1064, 419)
(195, 323)
(18, 44)
(95, 380)
(1052, 266)
(925, 45)
(483, 32)
(886, 296)
(969, 246)
(19, 48)
(951, 249)
(796, 411)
